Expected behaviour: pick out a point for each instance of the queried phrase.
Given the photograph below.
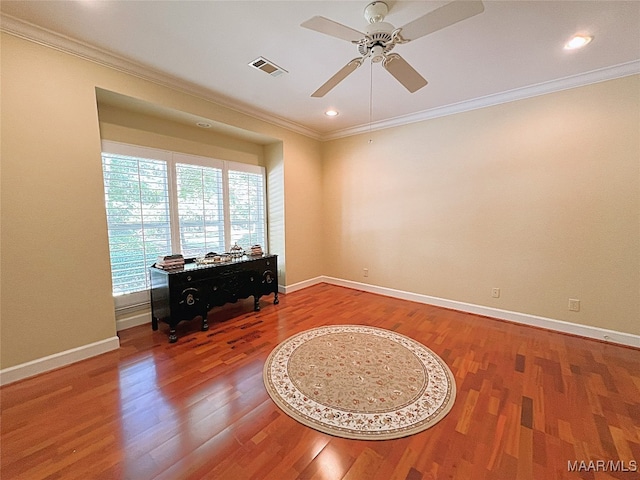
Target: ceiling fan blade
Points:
(333, 29)
(403, 72)
(343, 73)
(440, 18)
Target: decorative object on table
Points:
(236, 251)
(170, 262)
(256, 251)
(213, 258)
(359, 382)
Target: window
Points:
(160, 202)
(200, 209)
(138, 220)
(246, 201)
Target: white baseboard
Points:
(57, 360)
(622, 338)
(51, 362)
(304, 284)
(133, 321)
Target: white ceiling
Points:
(512, 50)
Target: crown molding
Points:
(83, 50)
(566, 83)
(57, 41)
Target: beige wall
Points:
(55, 275)
(55, 268)
(303, 201)
(120, 125)
(538, 197)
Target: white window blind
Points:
(200, 209)
(160, 202)
(246, 205)
(137, 203)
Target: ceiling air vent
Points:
(265, 65)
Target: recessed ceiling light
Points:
(331, 113)
(577, 41)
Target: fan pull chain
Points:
(370, 99)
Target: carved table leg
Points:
(275, 298)
(205, 323)
(256, 303)
(173, 337)
(154, 323)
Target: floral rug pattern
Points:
(359, 382)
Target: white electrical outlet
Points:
(574, 305)
(365, 272)
(495, 292)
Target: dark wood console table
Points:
(193, 290)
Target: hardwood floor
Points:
(530, 403)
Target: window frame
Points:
(141, 298)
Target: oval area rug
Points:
(359, 382)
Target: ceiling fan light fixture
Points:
(578, 41)
(380, 37)
(377, 54)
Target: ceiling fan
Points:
(381, 37)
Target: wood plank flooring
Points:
(531, 404)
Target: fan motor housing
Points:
(379, 34)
